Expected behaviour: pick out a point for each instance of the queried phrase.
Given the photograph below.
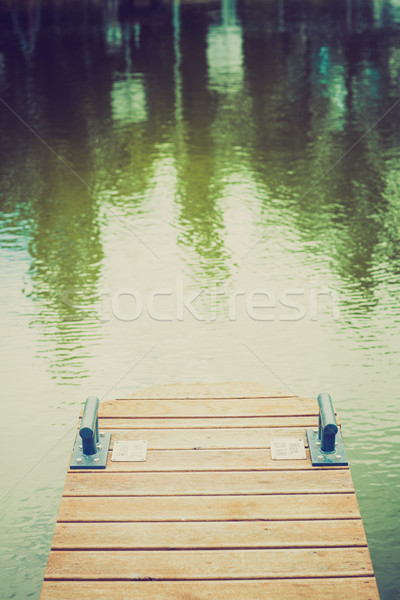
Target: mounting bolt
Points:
(102, 433)
(80, 446)
(315, 430)
(78, 460)
(96, 460)
(320, 457)
(339, 456)
(317, 443)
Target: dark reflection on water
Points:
(233, 143)
(298, 85)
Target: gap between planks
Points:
(213, 398)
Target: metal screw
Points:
(320, 457)
(315, 430)
(317, 443)
(338, 456)
(99, 446)
(80, 446)
(102, 433)
(78, 460)
(96, 460)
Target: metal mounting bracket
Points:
(90, 449)
(325, 442)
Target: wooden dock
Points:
(209, 514)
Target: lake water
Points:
(203, 191)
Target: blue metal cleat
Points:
(90, 449)
(325, 443)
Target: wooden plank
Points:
(208, 483)
(360, 588)
(227, 389)
(207, 422)
(208, 438)
(203, 508)
(206, 564)
(215, 534)
(209, 408)
(209, 460)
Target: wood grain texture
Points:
(208, 460)
(243, 407)
(187, 439)
(215, 534)
(311, 481)
(203, 508)
(360, 588)
(237, 389)
(206, 564)
(207, 422)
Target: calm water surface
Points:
(202, 192)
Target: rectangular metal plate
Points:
(94, 461)
(130, 451)
(318, 458)
(287, 449)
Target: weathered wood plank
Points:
(209, 460)
(203, 508)
(219, 534)
(210, 408)
(208, 483)
(185, 439)
(198, 423)
(227, 389)
(359, 588)
(206, 564)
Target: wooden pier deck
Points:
(209, 514)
